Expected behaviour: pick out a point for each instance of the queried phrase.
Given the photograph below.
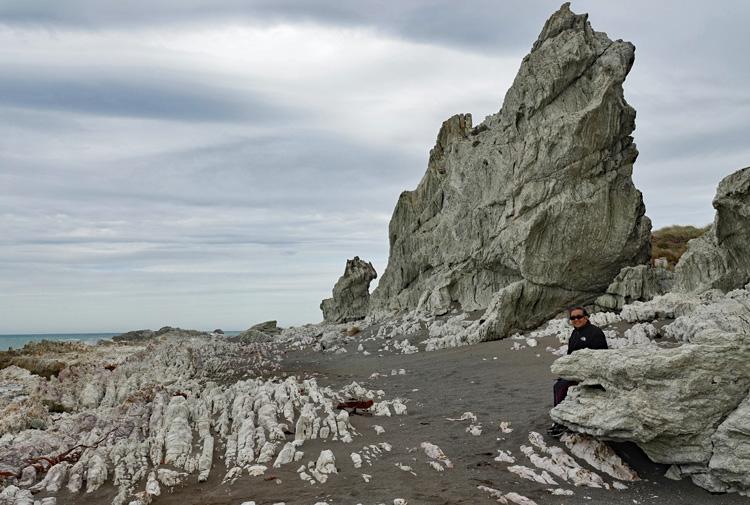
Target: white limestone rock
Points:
(599, 455)
(170, 478)
(434, 452)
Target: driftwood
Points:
(354, 405)
(72, 455)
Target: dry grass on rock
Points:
(671, 242)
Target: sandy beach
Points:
(490, 380)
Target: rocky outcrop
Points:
(684, 405)
(641, 282)
(534, 208)
(720, 259)
(143, 335)
(261, 332)
(351, 294)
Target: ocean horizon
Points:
(17, 341)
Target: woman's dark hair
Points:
(584, 311)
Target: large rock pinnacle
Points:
(534, 208)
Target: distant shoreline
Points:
(17, 341)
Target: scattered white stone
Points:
(519, 499)
(356, 459)
(232, 475)
(466, 416)
(326, 464)
(366, 477)
(381, 409)
(599, 455)
(495, 493)
(378, 429)
(436, 466)
(405, 468)
(560, 463)
(434, 452)
(257, 470)
(505, 427)
(474, 429)
(398, 407)
(560, 491)
(170, 478)
(504, 457)
(527, 473)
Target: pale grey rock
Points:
(170, 478)
(28, 476)
(668, 306)
(720, 259)
(534, 209)
(687, 405)
(96, 474)
(641, 282)
(730, 462)
(206, 459)
(286, 455)
(152, 485)
(712, 319)
(178, 441)
(645, 399)
(351, 294)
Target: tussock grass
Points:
(671, 242)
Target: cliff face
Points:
(720, 258)
(534, 208)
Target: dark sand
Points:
(515, 387)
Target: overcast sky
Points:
(213, 163)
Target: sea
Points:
(18, 341)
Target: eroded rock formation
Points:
(351, 294)
(641, 282)
(684, 405)
(721, 257)
(533, 209)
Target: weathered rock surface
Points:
(261, 332)
(685, 405)
(641, 282)
(142, 335)
(720, 259)
(351, 294)
(534, 209)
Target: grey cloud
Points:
(251, 215)
(137, 94)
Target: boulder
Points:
(258, 333)
(534, 208)
(685, 405)
(641, 282)
(720, 259)
(267, 327)
(351, 294)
